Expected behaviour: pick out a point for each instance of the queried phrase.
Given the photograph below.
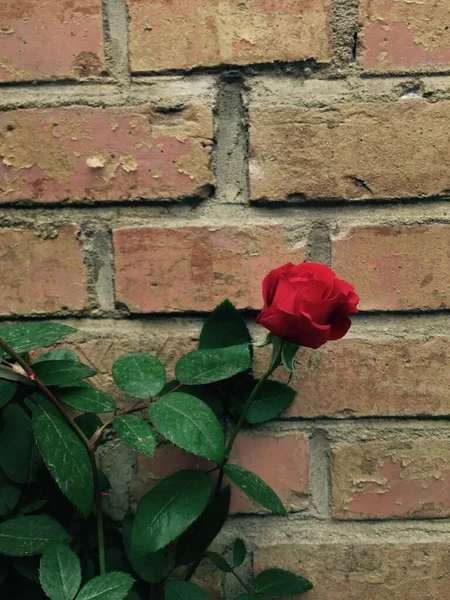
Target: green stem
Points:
(90, 450)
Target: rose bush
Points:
(307, 304)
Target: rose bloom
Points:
(307, 304)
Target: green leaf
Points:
(25, 536)
(139, 375)
(246, 597)
(27, 566)
(255, 488)
(205, 393)
(207, 366)
(278, 583)
(60, 572)
(88, 423)
(87, 399)
(151, 567)
(65, 457)
(57, 355)
(62, 372)
(184, 590)
(219, 561)
(168, 510)
(28, 336)
(10, 493)
(7, 391)
(33, 507)
(9, 374)
(188, 423)
(288, 353)
(19, 456)
(239, 552)
(224, 327)
(193, 543)
(272, 399)
(136, 433)
(112, 586)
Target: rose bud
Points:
(307, 304)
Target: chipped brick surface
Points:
(281, 460)
(213, 32)
(93, 154)
(399, 35)
(355, 570)
(196, 268)
(41, 274)
(383, 480)
(351, 151)
(390, 268)
(41, 39)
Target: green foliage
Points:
(239, 552)
(60, 572)
(279, 583)
(62, 372)
(255, 488)
(26, 536)
(112, 586)
(219, 561)
(184, 590)
(139, 375)
(188, 423)
(29, 336)
(66, 458)
(136, 433)
(208, 366)
(168, 510)
(272, 399)
(87, 399)
(52, 483)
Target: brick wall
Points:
(159, 156)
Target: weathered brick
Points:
(280, 460)
(396, 268)
(374, 376)
(82, 154)
(196, 268)
(355, 570)
(41, 274)
(399, 35)
(213, 32)
(350, 151)
(41, 39)
(385, 480)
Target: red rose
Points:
(307, 304)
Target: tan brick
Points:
(81, 153)
(213, 32)
(399, 35)
(280, 460)
(376, 571)
(41, 39)
(41, 275)
(381, 376)
(196, 268)
(350, 151)
(396, 268)
(385, 480)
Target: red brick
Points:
(351, 570)
(390, 268)
(399, 35)
(385, 480)
(352, 151)
(82, 154)
(375, 376)
(41, 39)
(213, 32)
(196, 268)
(280, 460)
(41, 274)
